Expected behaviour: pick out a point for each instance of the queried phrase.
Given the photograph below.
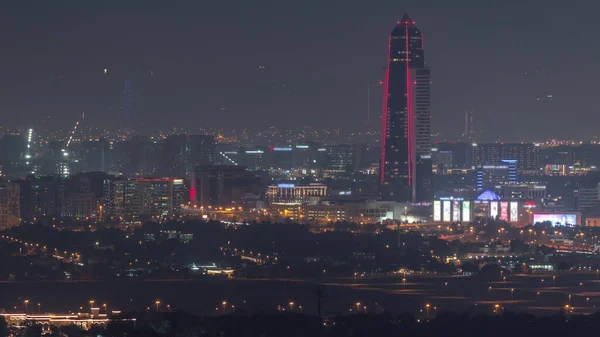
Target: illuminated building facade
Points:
(487, 205)
(406, 170)
(488, 176)
(160, 197)
(129, 200)
(527, 155)
(288, 193)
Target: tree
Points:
(563, 265)
(470, 267)
(3, 327)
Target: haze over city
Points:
(289, 64)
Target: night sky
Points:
(291, 63)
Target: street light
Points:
(512, 295)
(39, 308)
(91, 304)
(357, 307)
(26, 302)
(157, 304)
(104, 306)
(224, 304)
(569, 299)
(291, 306)
(427, 310)
(538, 295)
(169, 307)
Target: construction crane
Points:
(75, 130)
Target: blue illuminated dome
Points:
(488, 196)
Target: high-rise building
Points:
(182, 153)
(10, 204)
(41, 196)
(586, 199)
(227, 186)
(121, 200)
(13, 148)
(489, 176)
(341, 158)
(127, 200)
(160, 197)
(405, 171)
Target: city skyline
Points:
(71, 64)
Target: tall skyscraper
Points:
(406, 121)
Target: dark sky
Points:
(199, 63)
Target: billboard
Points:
(504, 210)
(456, 211)
(493, 209)
(437, 210)
(446, 210)
(514, 211)
(556, 219)
(466, 211)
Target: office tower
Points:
(160, 197)
(13, 147)
(147, 198)
(489, 176)
(527, 155)
(121, 200)
(41, 196)
(469, 130)
(83, 195)
(182, 153)
(10, 205)
(94, 156)
(281, 157)
(341, 158)
(586, 199)
(405, 170)
(227, 186)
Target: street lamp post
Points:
(39, 308)
(291, 306)
(157, 304)
(224, 304)
(26, 302)
(512, 295)
(357, 307)
(427, 310)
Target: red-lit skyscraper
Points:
(406, 121)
